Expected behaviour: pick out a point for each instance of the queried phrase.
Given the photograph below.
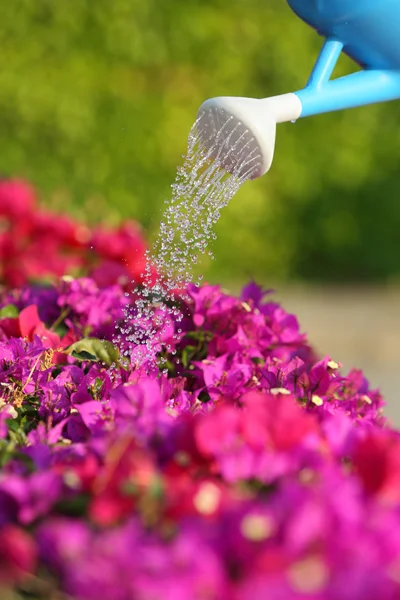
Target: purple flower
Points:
(90, 306)
(28, 497)
(225, 376)
(141, 408)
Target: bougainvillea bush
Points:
(36, 244)
(244, 468)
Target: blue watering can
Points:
(240, 132)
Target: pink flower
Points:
(17, 199)
(255, 441)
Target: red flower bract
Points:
(37, 244)
(18, 554)
(377, 463)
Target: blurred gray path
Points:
(358, 327)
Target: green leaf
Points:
(258, 361)
(84, 356)
(13, 425)
(9, 311)
(76, 506)
(187, 354)
(204, 397)
(93, 349)
(200, 335)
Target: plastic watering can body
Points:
(368, 29)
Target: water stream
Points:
(202, 188)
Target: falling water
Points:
(221, 156)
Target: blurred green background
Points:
(97, 99)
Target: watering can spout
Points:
(357, 89)
(369, 86)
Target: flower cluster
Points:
(245, 468)
(37, 244)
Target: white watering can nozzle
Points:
(239, 133)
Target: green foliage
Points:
(97, 98)
(8, 311)
(92, 349)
